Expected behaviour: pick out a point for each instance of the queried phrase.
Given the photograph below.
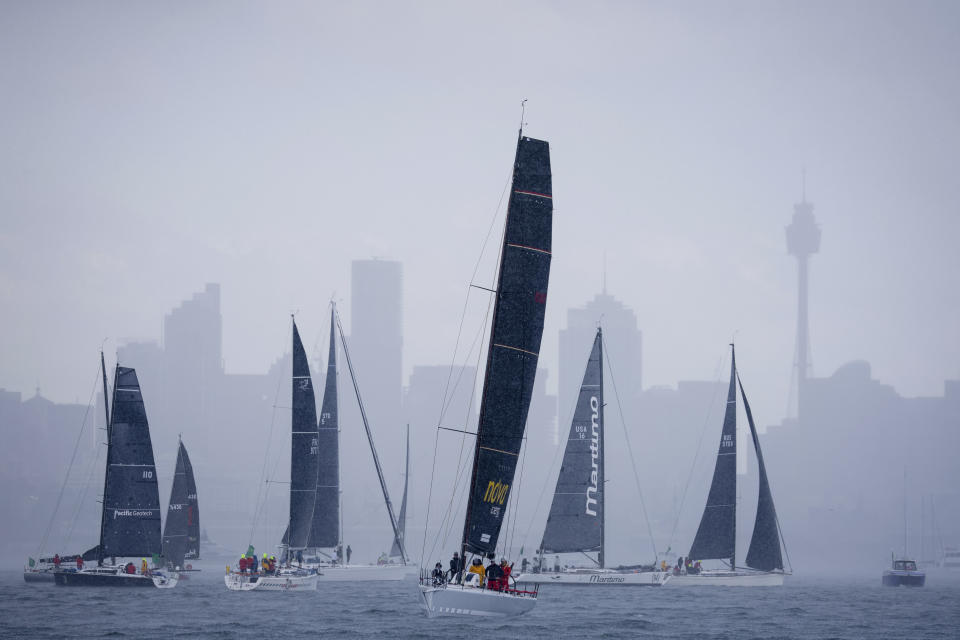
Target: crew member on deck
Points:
(437, 575)
(494, 573)
(144, 569)
(56, 561)
(79, 563)
(477, 568)
(455, 567)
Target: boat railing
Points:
(427, 580)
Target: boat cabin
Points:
(904, 565)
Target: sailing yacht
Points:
(326, 532)
(130, 514)
(576, 520)
(304, 464)
(512, 355)
(181, 531)
(716, 535)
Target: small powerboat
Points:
(904, 573)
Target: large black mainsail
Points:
(325, 530)
(181, 531)
(402, 517)
(130, 525)
(764, 551)
(716, 537)
(575, 523)
(304, 447)
(517, 327)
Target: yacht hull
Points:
(247, 582)
(366, 573)
(597, 578)
(104, 579)
(729, 579)
(893, 578)
(458, 600)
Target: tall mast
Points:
(603, 446)
(103, 504)
(373, 449)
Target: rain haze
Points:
(179, 178)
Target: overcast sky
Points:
(148, 148)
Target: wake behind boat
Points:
(130, 516)
(512, 355)
(716, 536)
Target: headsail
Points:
(325, 531)
(181, 530)
(402, 517)
(193, 508)
(131, 498)
(575, 523)
(303, 449)
(764, 551)
(517, 327)
(716, 537)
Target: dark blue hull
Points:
(81, 579)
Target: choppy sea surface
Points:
(201, 607)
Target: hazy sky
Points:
(147, 148)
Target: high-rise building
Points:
(623, 340)
(376, 340)
(803, 240)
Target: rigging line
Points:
(463, 455)
(73, 456)
(546, 480)
(703, 431)
(519, 487)
(466, 301)
(93, 465)
(266, 454)
(426, 524)
(626, 435)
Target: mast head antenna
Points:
(523, 110)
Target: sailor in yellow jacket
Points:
(477, 568)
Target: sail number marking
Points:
(496, 492)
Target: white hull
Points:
(454, 600)
(366, 573)
(730, 579)
(597, 578)
(288, 582)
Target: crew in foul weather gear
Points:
(477, 568)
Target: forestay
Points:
(575, 523)
(716, 536)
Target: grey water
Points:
(201, 607)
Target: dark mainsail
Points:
(325, 530)
(517, 327)
(716, 537)
(181, 530)
(402, 517)
(131, 499)
(764, 551)
(575, 523)
(304, 456)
